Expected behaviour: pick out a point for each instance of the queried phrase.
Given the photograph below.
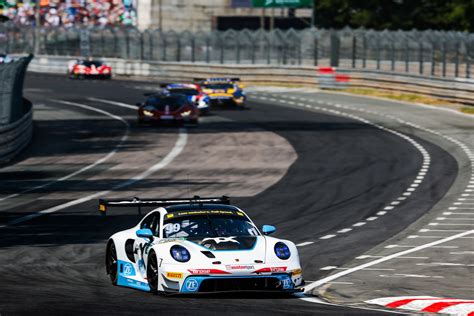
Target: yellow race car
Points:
(222, 91)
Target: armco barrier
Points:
(452, 89)
(16, 113)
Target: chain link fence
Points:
(432, 53)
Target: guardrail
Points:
(16, 113)
(452, 89)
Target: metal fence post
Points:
(252, 53)
(237, 51)
(407, 56)
(354, 51)
(165, 49)
(315, 51)
(284, 52)
(364, 52)
(269, 52)
(335, 45)
(193, 49)
(433, 59)
(221, 57)
(468, 59)
(444, 58)
(420, 57)
(392, 56)
(300, 57)
(178, 49)
(378, 52)
(208, 49)
(456, 60)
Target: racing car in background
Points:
(223, 91)
(199, 245)
(81, 68)
(166, 107)
(193, 92)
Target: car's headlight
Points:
(180, 253)
(185, 113)
(282, 251)
(147, 113)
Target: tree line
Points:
(455, 15)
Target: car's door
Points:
(142, 245)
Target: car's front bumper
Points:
(263, 283)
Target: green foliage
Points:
(396, 14)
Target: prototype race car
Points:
(199, 245)
(223, 91)
(80, 69)
(193, 92)
(166, 107)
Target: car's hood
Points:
(232, 250)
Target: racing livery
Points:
(193, 92)
(199, 245)
(80, 69)
(166, 107)
(224, 91)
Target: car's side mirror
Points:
(268, 229)
(145, 233)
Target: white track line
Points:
(338, 275)
(97, 162)
(123, 105)
(177, 149)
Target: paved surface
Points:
(435, 255)
(312, 173)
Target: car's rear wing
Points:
(139, 203)
(215, 80)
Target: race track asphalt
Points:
(339, 171)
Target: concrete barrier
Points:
(455, 90)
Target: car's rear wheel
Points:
(111, 263)
(152, 272)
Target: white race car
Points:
(199, 245)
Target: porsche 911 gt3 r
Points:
(199, 245)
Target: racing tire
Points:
(152, 272)
(111, 262)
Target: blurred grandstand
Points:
(70, 13)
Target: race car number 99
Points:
(172, 228)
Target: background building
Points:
(206, 15)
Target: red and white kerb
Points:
(428, 304)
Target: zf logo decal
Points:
(286, 284)
(127, 269)
(192, 285)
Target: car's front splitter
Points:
(265, 283)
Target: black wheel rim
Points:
(112, 263)
(152, 272)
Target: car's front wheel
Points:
(111, 263)
(152, 272)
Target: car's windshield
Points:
(184, 91)
(173, 102)
(218, 86)
(212, 226)
(88, 63)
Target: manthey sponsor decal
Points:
(207, 271)
(234, 267)
(271, 270)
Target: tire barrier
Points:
(16, 113)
